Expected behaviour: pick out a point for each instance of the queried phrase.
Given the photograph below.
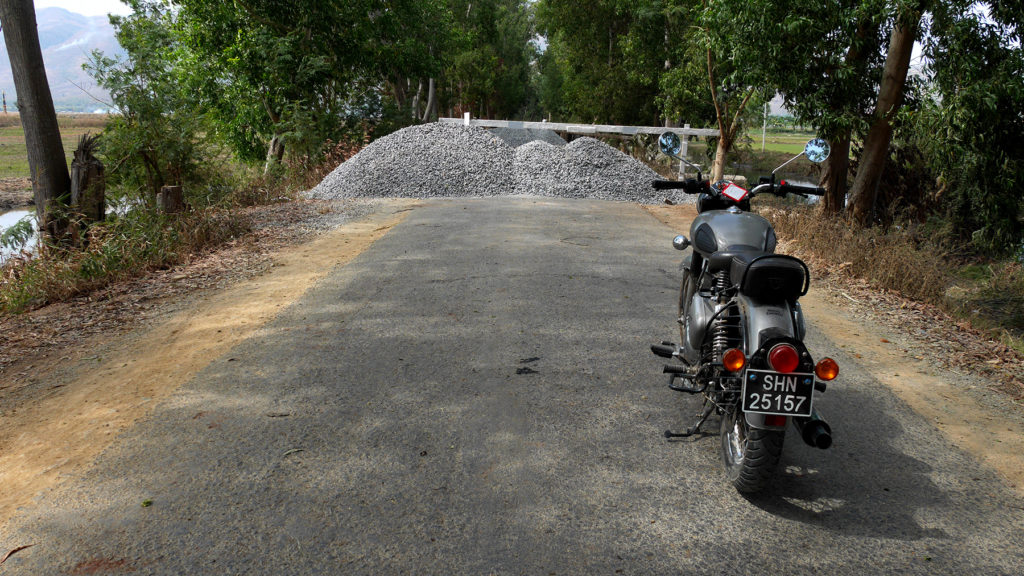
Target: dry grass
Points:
(117, 249)
(989, 296)
(894, 260)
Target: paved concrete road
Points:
(474, 395)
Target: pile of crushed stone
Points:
(451, 160)
(428, 160)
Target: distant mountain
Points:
(67, 39)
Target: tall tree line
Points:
(274, 78)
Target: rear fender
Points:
(757, 421)
(762, 322)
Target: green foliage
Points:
(490, 57)
(596, 65)
(158, 137)
(17, 236)
(970, 130)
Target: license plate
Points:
(766, 392)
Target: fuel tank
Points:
(722, 229)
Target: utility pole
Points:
(764, 127)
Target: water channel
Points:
(8, 219)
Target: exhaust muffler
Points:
(814, 430)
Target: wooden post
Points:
(684, 152)
(170, 199)
(88, 186)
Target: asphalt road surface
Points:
(474, 395)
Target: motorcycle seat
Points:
(771, 277)
(723, 259)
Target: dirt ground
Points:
(73, 375)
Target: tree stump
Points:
(88, 185)
(170, 199)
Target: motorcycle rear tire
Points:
(750, 454)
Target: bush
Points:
(119, 248)
(900, 259)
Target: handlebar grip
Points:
(690, 186)
(784, 189)
(669, 185)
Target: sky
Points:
(86, 7)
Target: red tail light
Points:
(784, 358)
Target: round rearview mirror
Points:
(817, 150)
(669, 144)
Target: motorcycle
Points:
(741, 327)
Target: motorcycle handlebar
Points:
(689, 186)
(786, 188)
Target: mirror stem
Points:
(784, 165)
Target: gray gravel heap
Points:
(428, 160)
(450, 160)
(517, 137)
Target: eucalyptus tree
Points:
(824, 59)
(51, 182)
(489, 63)
(734, 55)
(906, 28)
(597, 79)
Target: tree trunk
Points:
(890, 96)
(834, 175)
(171, 199)
(721, 151)
(88, 186)
(275, 153)
(415, 108)
(431, 111)
(51, 182)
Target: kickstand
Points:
(708, 408)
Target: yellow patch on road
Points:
(103, 395)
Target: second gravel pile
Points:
(448, 160)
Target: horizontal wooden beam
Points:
(582, 128)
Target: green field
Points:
(788, 141)
(13, 154)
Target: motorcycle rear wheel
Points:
(750, 455)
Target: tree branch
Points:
(714, 94)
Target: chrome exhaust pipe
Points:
(814, 430)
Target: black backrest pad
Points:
(771, 277)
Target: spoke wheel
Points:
(750, 455)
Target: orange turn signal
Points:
(827, 369)
(734, 360)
